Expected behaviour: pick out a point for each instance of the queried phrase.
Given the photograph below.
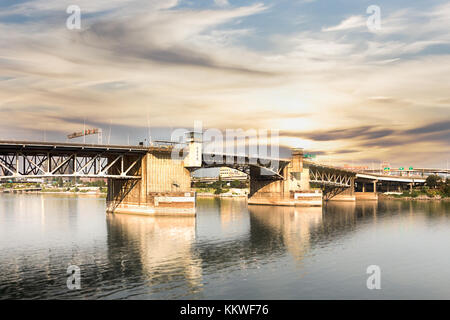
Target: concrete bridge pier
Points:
(348, 194)
(291, 189)
(367, 192)
(163, 189)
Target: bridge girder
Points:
(270, 169)
(328, 177)
(331, 181)
(35, 164)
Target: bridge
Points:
(411, 172)
(150, 180)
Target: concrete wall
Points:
(166, 175)
(366, 196)
(282, 192)
(164, 188)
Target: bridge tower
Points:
(194, 145)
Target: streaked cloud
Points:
(349, 23)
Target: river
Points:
(229, 251)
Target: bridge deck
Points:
(381, 177)
(63, 147)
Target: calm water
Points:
(228, 252)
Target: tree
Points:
(446, 188)
(433, 181)
(238, 184)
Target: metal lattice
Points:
(100, 165)
(21, 160)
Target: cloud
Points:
(349, 23)
(222, 3)
(354, 134)
(431, 128)
(44, 7)
(333, 89)
(124, 39)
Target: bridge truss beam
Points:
(21, 165)
(331, 181)
(329, 178)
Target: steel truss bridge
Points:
(52, 160)
(331, 180)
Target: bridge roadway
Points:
(417, 171)
(39, 146)
(391, 178)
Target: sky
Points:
(311, 69)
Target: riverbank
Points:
(421, 197)
(226, 193)
(97, 194)
(222, 195)
(19, 191)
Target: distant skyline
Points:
(311, 69)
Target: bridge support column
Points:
(292, 190)
(164, 188)
(367, 195)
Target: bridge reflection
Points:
(156, 250)
(292, 225)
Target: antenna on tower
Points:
(109, 135)
(100, 136)
(149, 131)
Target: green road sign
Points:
(401, 168)
(411, 168)
(387, 169)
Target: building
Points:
(355, 168)
(226, 173)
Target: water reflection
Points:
(290, 226)
(159, 248)
(230, 250)
(40, 236)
